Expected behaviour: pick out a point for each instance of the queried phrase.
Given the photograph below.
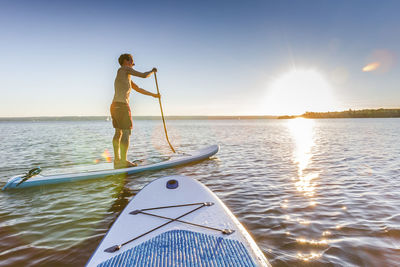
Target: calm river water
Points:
(311, 192)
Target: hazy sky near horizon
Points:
(59, 58)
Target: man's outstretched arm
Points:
(141, 74)
(142, 91)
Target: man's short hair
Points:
(124, 57)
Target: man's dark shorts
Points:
(121, 115)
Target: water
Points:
(311, 192)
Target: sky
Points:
(59, 58)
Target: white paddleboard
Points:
(38, 180)
(139, 239)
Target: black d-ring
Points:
(172, 184)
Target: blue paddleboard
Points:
(38, 180)
(177, 221)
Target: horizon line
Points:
(186, 116)
(171, 117)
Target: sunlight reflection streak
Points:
(302, 131)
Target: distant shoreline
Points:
(362, 113)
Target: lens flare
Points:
(380, 61)
(106, 155)
(371, 66)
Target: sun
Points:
(298, 91)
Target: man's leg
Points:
(124, 144)
(116, 144)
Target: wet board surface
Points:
(159, 241)
(39, 180)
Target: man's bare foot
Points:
(117, 162)
(126, 164)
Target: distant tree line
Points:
(364, 113)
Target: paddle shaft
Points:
(162, 114)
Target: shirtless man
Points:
(120, 111)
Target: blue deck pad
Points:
(184, 248)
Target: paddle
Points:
(162, 114)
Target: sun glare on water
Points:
(298, 91)
(303, 134)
